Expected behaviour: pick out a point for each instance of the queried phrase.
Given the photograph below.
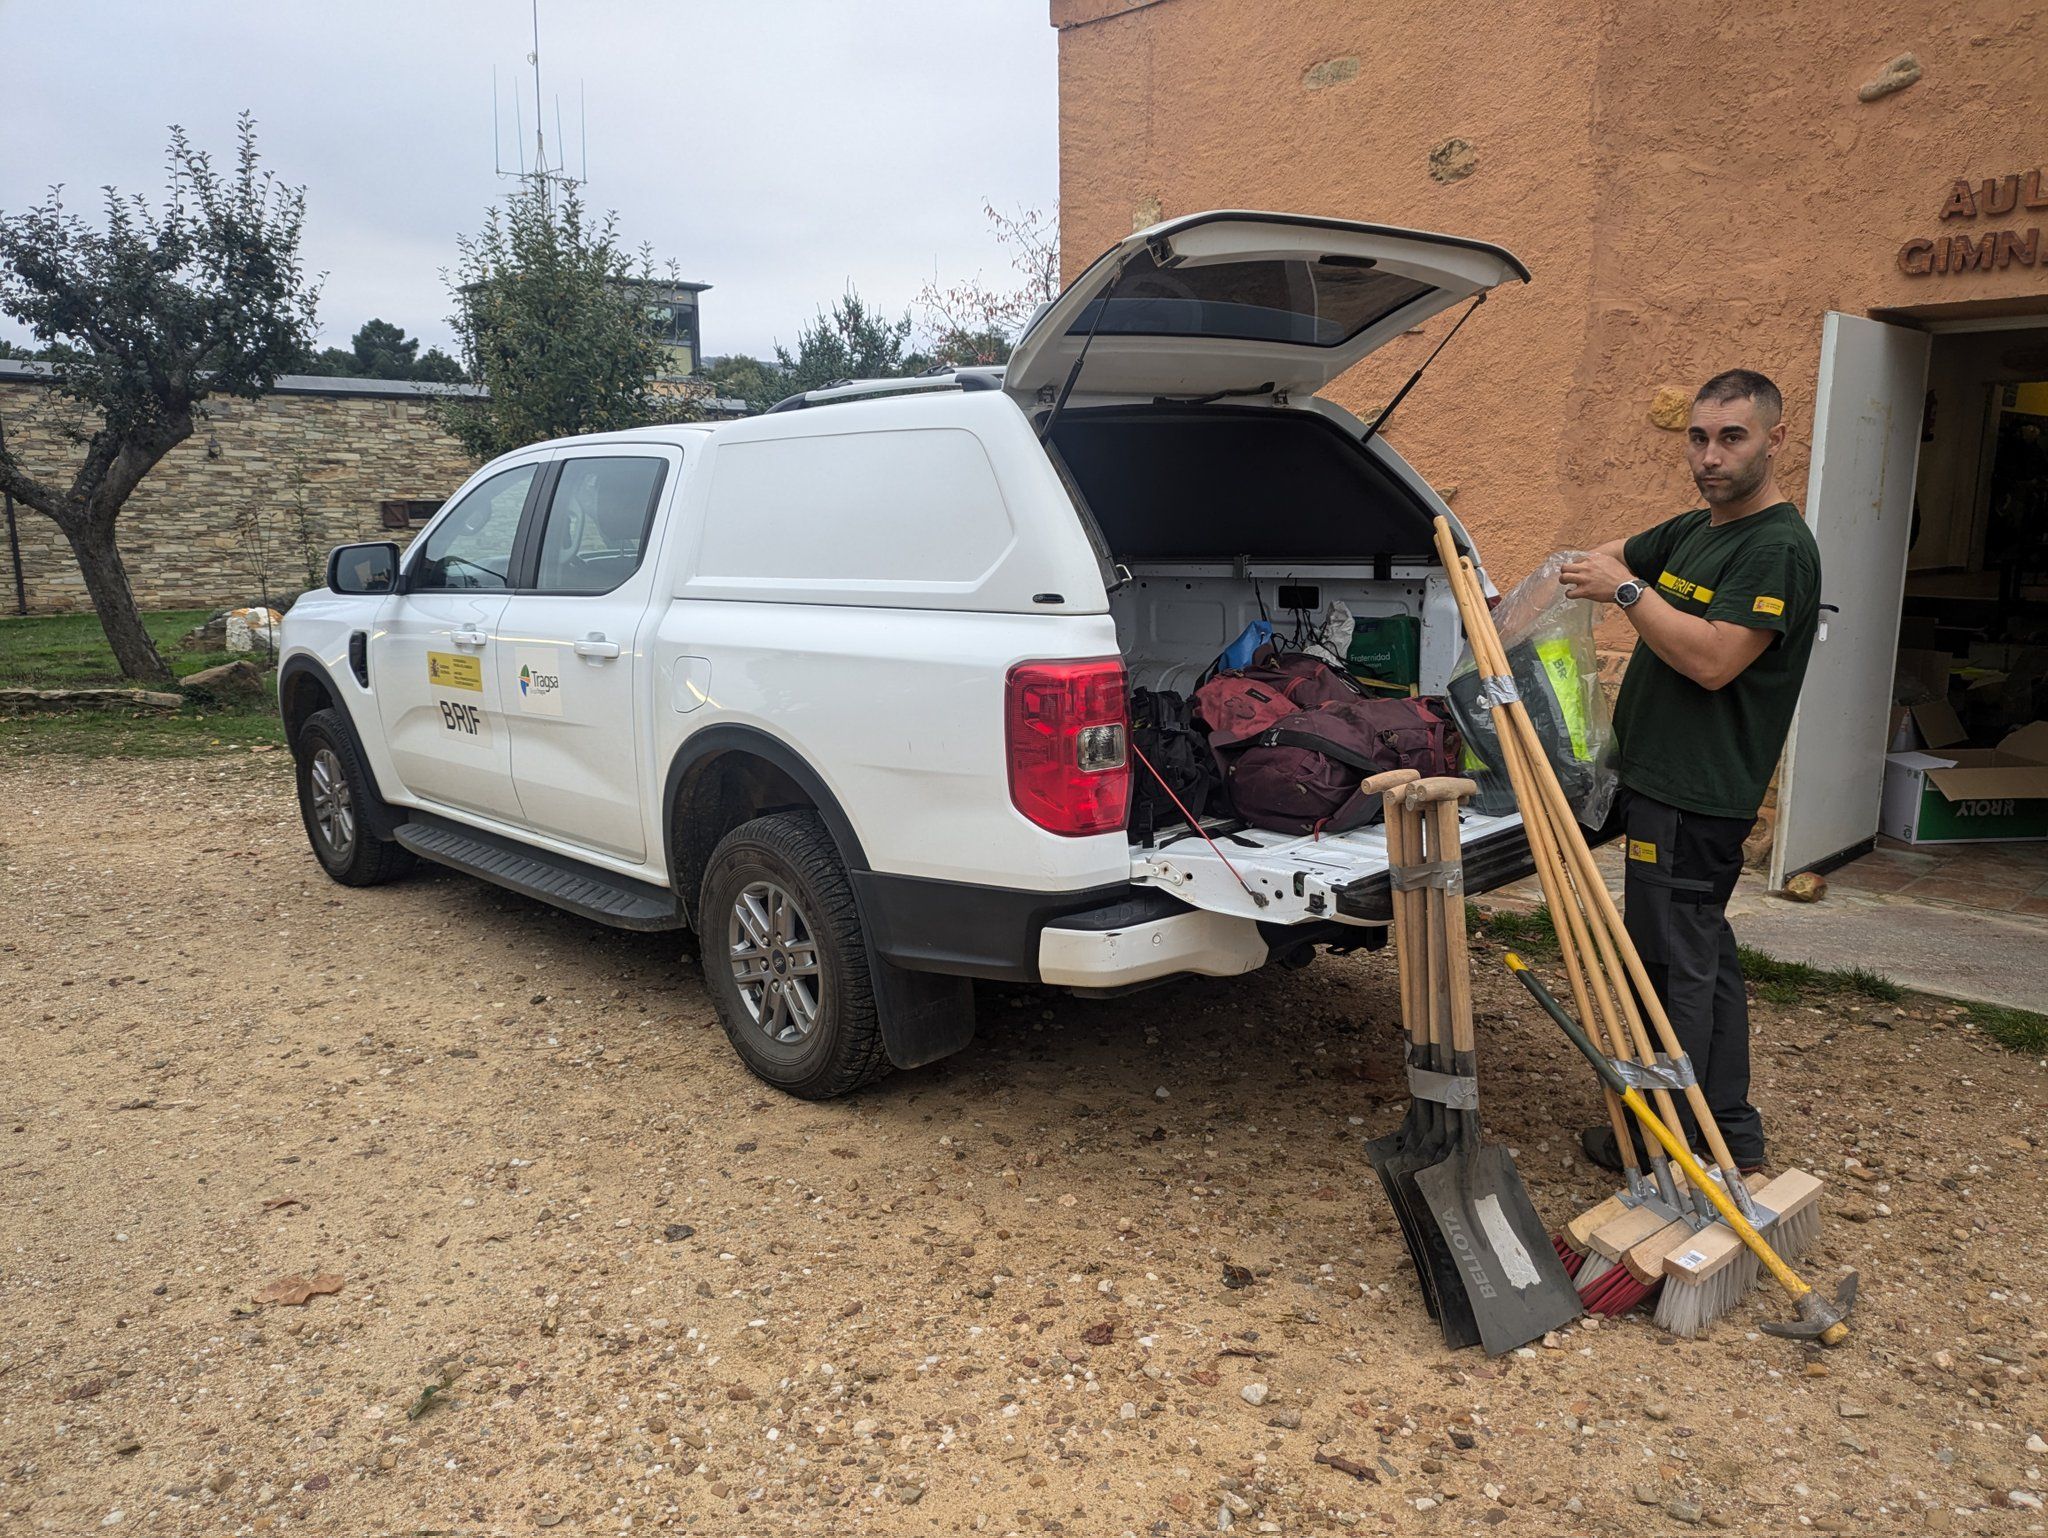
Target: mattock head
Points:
(1819, 1319)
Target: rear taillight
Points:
(1065, 728)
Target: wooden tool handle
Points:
(1457, 968)
(1386, 780)
(1441, 787)
(1408, 938)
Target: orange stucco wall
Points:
(1693, 187)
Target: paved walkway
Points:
(1965, 921)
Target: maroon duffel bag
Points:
(1301, 774)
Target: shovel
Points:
(1513, 1281)
(1419, 1140)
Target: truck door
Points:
(438, 694)
(569, 655)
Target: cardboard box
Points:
(1930, 724)
(1968, 795)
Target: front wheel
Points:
(786, 959)
(334, 793)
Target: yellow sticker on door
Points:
(445, 670)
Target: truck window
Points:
(597, 523)
(472, 546)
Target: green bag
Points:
(1385, 653)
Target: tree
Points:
(853, 342)
(384, 351)
(759, 384)
(162, 309)
(975, 322)
(381, 350)
(436, 367)
(549, 326)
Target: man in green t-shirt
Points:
(1725, 601)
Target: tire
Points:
(334, 790)
(786, 959)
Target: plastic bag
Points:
(1332, 638)
(1549, 642)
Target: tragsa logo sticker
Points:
(540, 682)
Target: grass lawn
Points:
(69, 651)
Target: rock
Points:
(1253, 1393)
(1287, 1418)
(1453, 160)
(1895, 76)
(1816, 1369)
(1648, 1495)
(2023, 1500)
(910, 1495)
(1657, 1412)
(1320, 77)
(1850, 1410)
(2035, 1444)
(1680, 1510)
(676, 1231)
(1224, 1520)
(1806, 887)
(239, 679)
(1670, 409)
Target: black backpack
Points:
(1163, 730)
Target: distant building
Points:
(671, 308)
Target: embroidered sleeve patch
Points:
(1771, 606)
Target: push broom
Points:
(1819, 1319)
(1712, 1273)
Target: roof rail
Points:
(917, 384)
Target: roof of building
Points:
(290, 384)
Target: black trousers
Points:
(1681, 870)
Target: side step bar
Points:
(568, 884)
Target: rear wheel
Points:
(786, 959)
(334, 794)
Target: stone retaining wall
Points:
(263, 489)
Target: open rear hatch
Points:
(1245, 303)
(1242, 304)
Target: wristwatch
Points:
(1627, 593)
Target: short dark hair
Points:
(1744, 384)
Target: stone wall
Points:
(261, 491)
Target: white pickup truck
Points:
(843, 687)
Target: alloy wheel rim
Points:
(774, 960)
(334, 812)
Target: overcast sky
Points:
(774, 148)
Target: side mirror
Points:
(369, 568)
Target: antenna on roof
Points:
(544, 175)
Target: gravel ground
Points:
(593, 1277)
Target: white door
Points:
(568, 649)
(431, 656)
(1859, 503)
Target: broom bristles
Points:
(1596, 1266)
(1616, 1293)
(1567, 1257)
(1686, 1308)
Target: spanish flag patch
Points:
(1642, 849)
(1771, 606)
